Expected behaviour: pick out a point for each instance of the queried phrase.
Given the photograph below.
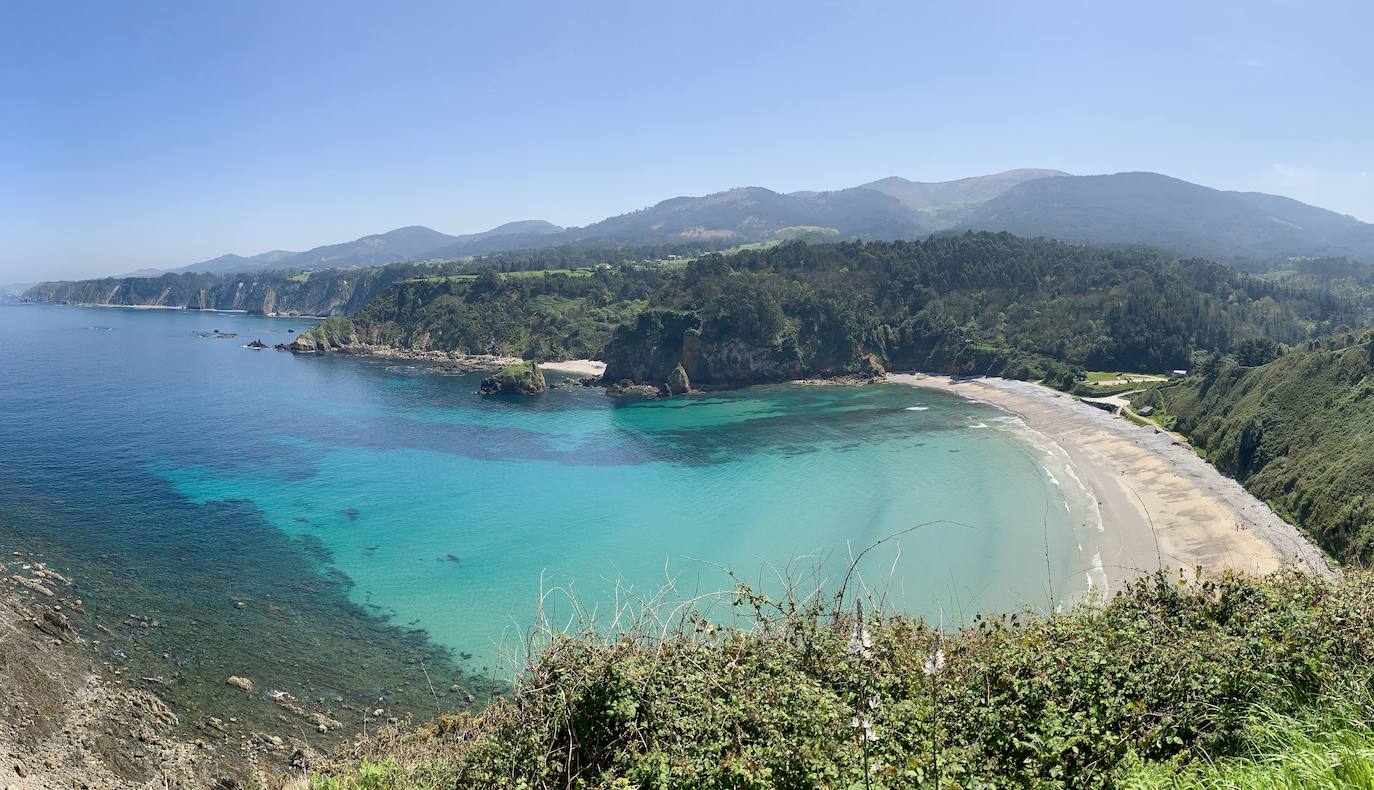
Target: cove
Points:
(434, 510)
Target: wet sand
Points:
(1162, 506)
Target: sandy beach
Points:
(1161, 505)
(580, 367)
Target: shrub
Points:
(1171, 672)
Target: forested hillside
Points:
(1348, 279)
(972, 303)
(1298, 432)
(552, 315)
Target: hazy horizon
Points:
(158, 135)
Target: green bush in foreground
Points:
(1330, 746)
(1203, 680)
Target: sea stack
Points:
(677, 382)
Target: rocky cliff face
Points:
(648, 350)
(331, 292)
(675, 351)
(332, 334)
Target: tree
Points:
(1256, 351)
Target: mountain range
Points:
(1156, 210)
(1241, 228)
(414, 242)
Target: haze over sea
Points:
(348, 502)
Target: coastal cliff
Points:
(325, 292)
(677, 350)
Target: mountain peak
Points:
(1162, 211)
(946, 202)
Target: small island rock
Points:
(523, 379)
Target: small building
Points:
(1177, 374)
(1146, 411)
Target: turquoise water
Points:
(384, 499)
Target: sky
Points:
(149, 134)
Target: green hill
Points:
(973, 303)
(557, 315)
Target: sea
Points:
(356, 532)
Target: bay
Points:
(377, 512)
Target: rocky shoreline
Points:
(440, 361)
(71, 722)
(676, 383)
(75, 716)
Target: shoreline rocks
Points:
(69, 723)
(440, 361)
(628, 389)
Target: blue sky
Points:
(157, 134)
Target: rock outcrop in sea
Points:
(678, 382)
(523, 379)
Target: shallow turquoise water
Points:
(448, 512)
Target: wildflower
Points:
(936, 663)
(873, 702)
(860, 642)
(866, 724)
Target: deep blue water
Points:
(372, 513)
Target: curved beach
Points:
(1161, 505)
